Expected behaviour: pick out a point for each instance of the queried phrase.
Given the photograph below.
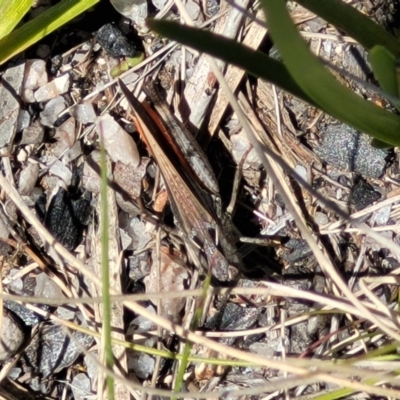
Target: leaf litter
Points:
(55, 167)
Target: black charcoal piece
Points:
(65, 218)
(345, 148)
(114, 42)
(363, 194)
(51, 350)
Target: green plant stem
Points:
(188, 346)
(109, 357)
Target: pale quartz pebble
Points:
(14, 373)
(16, 285)
(174, 274)
(73, 153)
(301, 171)
(84, 113)
(141, 233)
(126, 240)
(10, 89)
(35, 77)
(78, 57)
(135, 10)
(240, 145)
(59, 169)
(65, 312)
(22, 155)
(24, 119)
(81, 387)
(320, 218)
(45, 287)
(66, 137)
(382, 215)
(33, 134)
(193, 9)
(141, 363)
(159, 3)
(28, 178)
(51, 111)
(131, 78)
(25, 152)
(12, 336)
(91, 179)
(56, 87)
(119, 145)
(141, 324)
(91, 366)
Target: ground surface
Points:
(172, 224)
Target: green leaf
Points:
(253, 61)
(357, 25)
(14, 10)
(384, 66)
(47, 22)
(316, 81)
(378, 144)
(347, 106)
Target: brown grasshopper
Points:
(193, 213)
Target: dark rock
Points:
(29, 317)
(345, 148)
(114, 42)
(51, 350)
(363, 194)
(65, 218)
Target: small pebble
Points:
(51, 111)
(321, 218)
(24, 119)
(56, 87)
(382, 215)
(84, 113)
(81, 387)
(34, 77)
(33, 134)
(142, 364)
(363, 194)
(12, 335)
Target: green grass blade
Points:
(319, 83)
(105, 273)
(253, 61)
(47, 22)
(357, 25)
(384, 66)
(14, 10)
(188, 345)
(325, 91)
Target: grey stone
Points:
(345, 148)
